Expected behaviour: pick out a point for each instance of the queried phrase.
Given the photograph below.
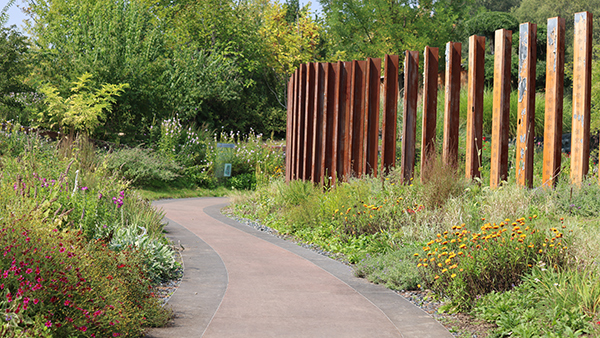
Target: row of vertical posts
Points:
(333, 120)
(333, 111)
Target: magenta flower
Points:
(48, 324)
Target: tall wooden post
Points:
(501, 108)
(582, 76)
(301, 125)
(430, 91)
(346, 123)
(390, 109)
(452, 104)
(409, 130)
(289, 129)
(309, 120)
(526, 106)
(359, 122)
(555, 74)
(373, 78)
(474, 140)
(317, 132)
(330, 125)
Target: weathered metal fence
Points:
(334, 132)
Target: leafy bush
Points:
(463, 264)
(396, 269)
(549, 303)
(142, 167)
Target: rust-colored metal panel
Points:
(345, 100)
(501, 108)
(291, 152)
(317, 143)
(430, 91)
(409, 128)
(358, 116)
(555, 74)
(301, 125)
(372, 114)
(526, 105)
(474, 140)
(582, 76)
(390, 111)
(451, 104)
(330, 125)
(309, 114)
(288, 127)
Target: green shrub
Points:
(549, 303)
(395, 269)
(142, 167)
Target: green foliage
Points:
(583, 200)
(396, 269)
(142, 167)
(486, 24)
(360, 29)
(83, 110)
(15, 94)
(549, 303)
(497, 6)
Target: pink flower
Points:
(48, 324)
(35, 301)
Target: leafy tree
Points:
(360, 29)
(83, 110)
(486, 24)
(497, 5)
(4, 12)
(14, 68)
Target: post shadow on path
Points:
(241, 282)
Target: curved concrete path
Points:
(240, 282)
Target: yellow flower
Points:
(436, 277)
(419, 265)
(453, 275)
(444, 270)
(416, 255)
(462, 246)
(440, 265)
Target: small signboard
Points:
(227, 170)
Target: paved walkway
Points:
(240, 282)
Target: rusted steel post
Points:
(359, 121)
(430, 91)
(288, 127)
(345, 101)
(317, 142)
(526, 105)
(474, 140)
(330, 125)
(582, 76)
(390, 111)
(501, 108)
(452, 104)
(309, 120)
(372, 114)
(555, 74)
(301, 125)
(409, 127)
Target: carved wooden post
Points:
(346, 123)
(501, 108)
(390, 109)
(409, 129)
(430, 91)
(555, 74)
(582, 76)
(452, 104)
(526, 106)
(301, 125)
(475, 107)
(373, 79)
(317, 132)
(289, 128)
(359, 121)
